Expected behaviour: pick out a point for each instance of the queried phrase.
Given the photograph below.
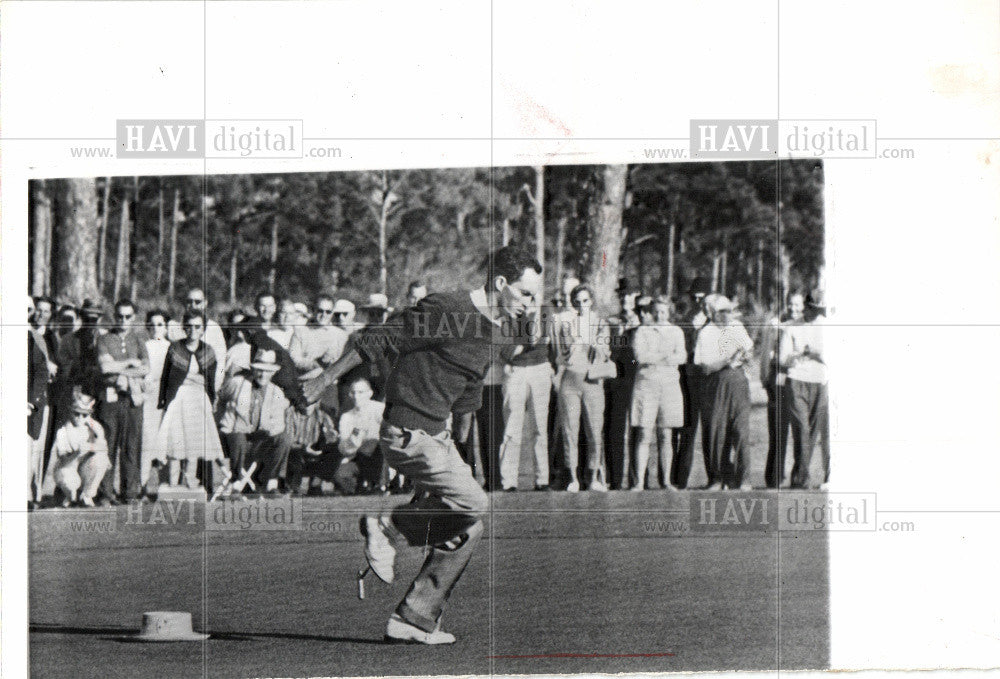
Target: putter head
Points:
(362, 572)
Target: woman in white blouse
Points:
(657, 400)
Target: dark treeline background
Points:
(353, 233)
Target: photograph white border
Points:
(913, 245)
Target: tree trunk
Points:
(331, 244)
(786, 275)
(760, 272)
(234, 264)
(41, 253)
(605, 235)
(715, 271)
(671, 234)
(723, 266)
(273, 270)
(160, 241)
(642, 269)
(784, 262)
(505, 232)
(174, 228)
(539, 208)
(560, 252)
(323, 258)
(102, 234)
(76, 236)
(130, 255)
(383, 229)
(121, 258)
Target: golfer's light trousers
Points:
(444, 515)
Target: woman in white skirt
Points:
(156, 347)
(188, 432)
(657, 400)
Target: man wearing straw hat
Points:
(252, 418)
(377, 309)
(81, 453)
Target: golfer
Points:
(441, 349)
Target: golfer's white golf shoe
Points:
(398, 631)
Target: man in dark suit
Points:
(692, 386)
(40, 372)
(618, 391)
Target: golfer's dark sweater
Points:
(440, 351)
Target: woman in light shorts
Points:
(657, 401)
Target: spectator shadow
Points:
(128, 635)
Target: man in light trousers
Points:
(527, 383)
(442, 347)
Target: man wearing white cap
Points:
(377, 309)
(81, 453)
(722, 348)
(415, 292)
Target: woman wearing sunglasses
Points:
(187, 389)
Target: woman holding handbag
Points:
(583, 361)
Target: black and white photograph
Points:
(466, 338)
(581, 395)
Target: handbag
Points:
(605, 370)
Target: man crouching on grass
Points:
(442, 348)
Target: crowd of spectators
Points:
(121, 407)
